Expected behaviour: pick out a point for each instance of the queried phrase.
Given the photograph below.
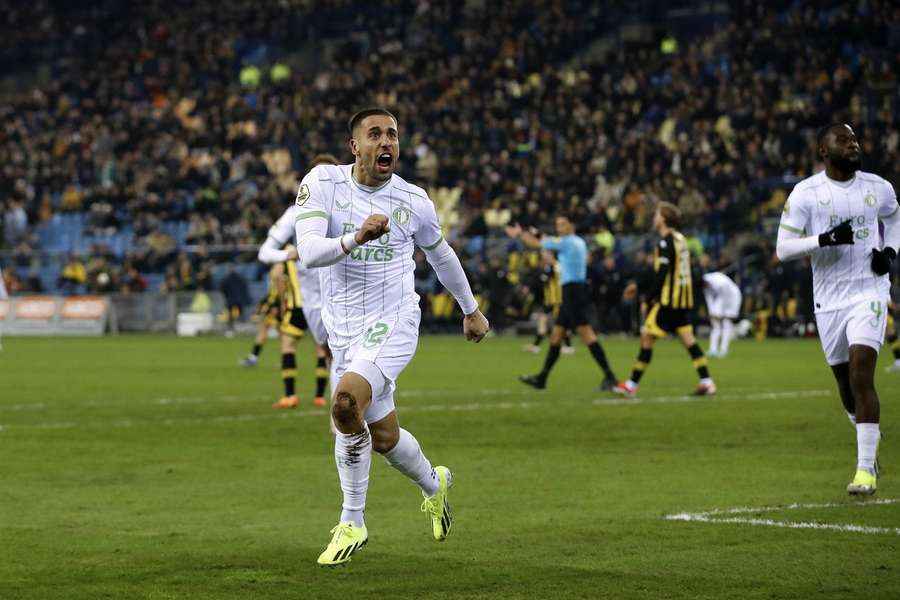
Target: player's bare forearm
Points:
(475, 326)
(530, 240)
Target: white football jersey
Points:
(842, 275)
(310, 287)
(375, 282)
(720, 285)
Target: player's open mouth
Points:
(384, 162)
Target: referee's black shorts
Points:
(573, 312)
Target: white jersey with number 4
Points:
(283, 233)
(842, 275)
(373, 287)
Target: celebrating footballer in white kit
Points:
(360, 224)
(833, 217)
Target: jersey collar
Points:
(368, 188)
(841, 184)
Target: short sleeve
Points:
(427, 234)
(550, 243)
(665, 251)
(795, 216)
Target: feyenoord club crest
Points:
(401, 215)
(869, 200)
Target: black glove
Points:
(837, 235)
(882, 259)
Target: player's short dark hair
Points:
(670, 213)
(367, 112)
(324, 159)
(824, 131)
(564, 215)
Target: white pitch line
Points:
(795, 506)
(712, 516)
(231, 399)
(848, 527)
(467, 407)
(675, 399)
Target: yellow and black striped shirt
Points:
(672, 263)
(552, 286)
(287, 272)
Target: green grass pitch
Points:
(154, 468)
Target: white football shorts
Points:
(863, 324)
(316, 326)
(379, 356)
(723, 306)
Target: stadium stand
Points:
(137, 132)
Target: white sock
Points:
(353, 456)
(852, 418)
(407, 457)
(715, 335)
(706, 380)
(727, 335)
(867, 436)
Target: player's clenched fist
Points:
(475, 326)
(373, 228)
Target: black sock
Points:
(567, 341)
(699, 360)
(288, 372)
(895, 346)
(552, 357)
(321, 377)
(537, 340)
(257, 348)
(600, 357)
(643, 360)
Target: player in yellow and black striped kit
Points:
(291, 322)
(672, 302)
(282, 308)
(550, 301)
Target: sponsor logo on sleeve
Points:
(302, 195)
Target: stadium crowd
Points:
(204, 114)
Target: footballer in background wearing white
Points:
(360, 225)
(833, 217)
(272, 251)
(723, 303)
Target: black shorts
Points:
(294, 322)
(573, 312)
(663, 319)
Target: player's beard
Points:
(847, 164)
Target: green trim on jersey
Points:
(894, 212)
(434, 245)
(311, 214)
(789, 228)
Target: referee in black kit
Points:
(572, 254)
